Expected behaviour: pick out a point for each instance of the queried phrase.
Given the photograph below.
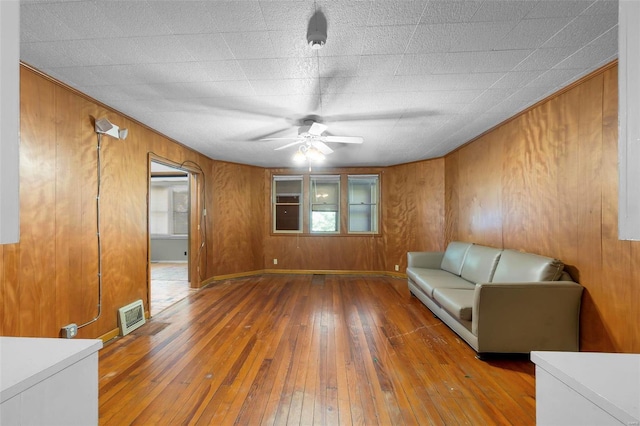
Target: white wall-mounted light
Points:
(105, 127)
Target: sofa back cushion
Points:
(454, 257)
(515, 266)
(480, 264)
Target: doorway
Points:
(172, 197)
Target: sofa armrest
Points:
(521, 317)
(424, 259)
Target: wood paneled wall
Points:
(238, 196)
(414, 207)
(49, 278)
(412, 218)
(546, 182)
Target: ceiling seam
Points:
(555, 34)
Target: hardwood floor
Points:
(303, 349)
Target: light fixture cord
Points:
(99, 242)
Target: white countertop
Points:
(26, 361)
(610, 381)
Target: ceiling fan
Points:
(312, 142)
(311, 137)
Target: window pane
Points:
(289, 189)
(159, 222)
(324, 221)
(360, 218)
(180, 210)
(287, 196)
(324, 198)
(363, 203)
(180, 200)
(169, 206)
(159, 210)
(363, 191)
(325, 192)
(181, 223)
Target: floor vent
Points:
(131, 317)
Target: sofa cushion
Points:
(419, 274)
(454, 257)
(515, 266)
(480, 264)
(428, 280)
(457, 302)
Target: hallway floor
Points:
(169, 284)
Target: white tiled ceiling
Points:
(416, 79)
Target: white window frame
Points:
(375, 211)
(275, 204)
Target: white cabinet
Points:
(9, 121)
(48, 381)
(587, 388)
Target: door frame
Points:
(196, 238)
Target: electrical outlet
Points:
(397, 268)
(69, 331)
(275, 261)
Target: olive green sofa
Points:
(499, 300)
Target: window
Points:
(312, 204)
(169, 207)
(363, 203)
(287, 199)
(180, 205)
(324, 199)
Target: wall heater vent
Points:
(131, 317)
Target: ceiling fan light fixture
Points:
(314, 155)
(299, 157)
(307, 153)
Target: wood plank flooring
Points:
(310, 350)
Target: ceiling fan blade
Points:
(322, 147)
(344, 139)
(383, 115)
(263, 135)
(316, 129)
(288, 145)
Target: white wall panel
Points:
(9, 121)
